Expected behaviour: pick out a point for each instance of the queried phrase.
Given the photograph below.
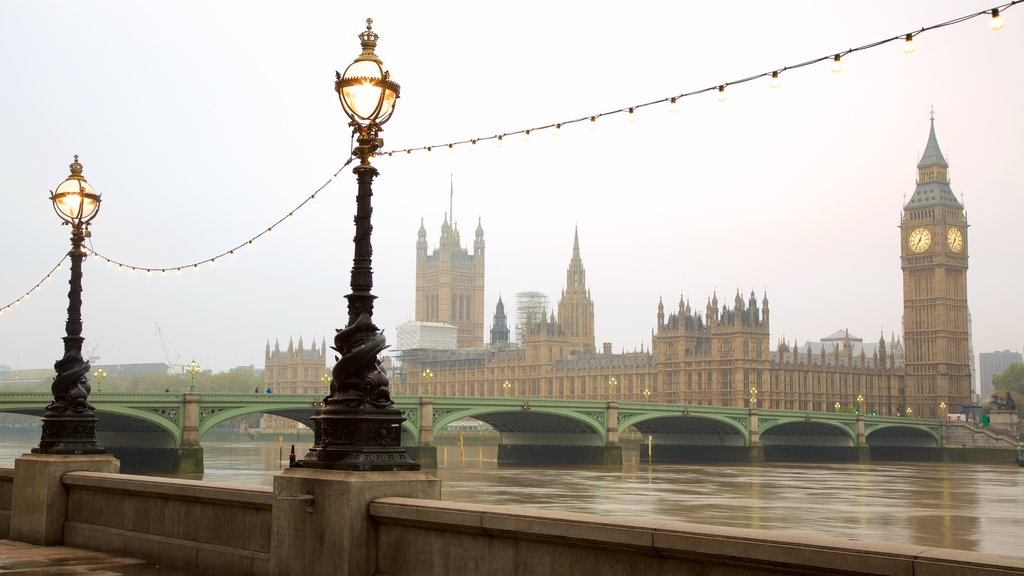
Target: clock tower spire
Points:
(933, 255)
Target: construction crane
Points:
(172, 367)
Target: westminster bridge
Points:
(162, 432)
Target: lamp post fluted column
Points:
(69, 423)
(359, 427)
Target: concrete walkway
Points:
(20, 559)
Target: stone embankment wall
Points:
(226, 530)
(6, 492)
(964, 435)
(431, 538)
(216, 529)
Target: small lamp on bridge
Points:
(427, 376)
(612, 383)
(753, 397)
(860, 404)
(99, 375)
(838, 406)
(942, 406)
(647, 394)
(326, 380)
(192, 368)
(69, 423)
(507, 386)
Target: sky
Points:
(204, 123)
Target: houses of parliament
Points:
(715, 355)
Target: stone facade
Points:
(450, 283)
(720, 356)
(295, 370)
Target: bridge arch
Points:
(899, 434)
(691, 429)
(539, 424)
(299, 412)
(806, 431)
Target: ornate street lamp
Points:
(647, 394)
(753, 397)
(359, 427)
(69, 423)
(427, 377)
(192, 368)
(838, 406)
(99, 375)
(942, 406)
(506, 386)
(860, 404)
(326, 380)
(612, 383)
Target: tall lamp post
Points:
(427, 376)
(753, 397)
(612, 383)
(359, 427)
(69, 423)
(860, 404)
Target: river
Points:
(962, 506)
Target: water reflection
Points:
(971, 507)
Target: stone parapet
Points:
(440, 538)
(204, 528)
(6, 493)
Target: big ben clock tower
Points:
(933, 253)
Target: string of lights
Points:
(226, 253)
(39, 286)
(774, 81)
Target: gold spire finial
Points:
(932, 113)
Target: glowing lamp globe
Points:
(74, 200)
(366, 90)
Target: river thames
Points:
(962, 506)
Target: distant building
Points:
(717, 356)
(4, 369)
(499, 326)
(141, 369)
(295, 370)
(993, 364)
(529, 305)
(450, 283)
(434, 335)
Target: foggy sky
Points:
(203, 123)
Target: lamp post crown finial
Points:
(368, 39)
(76, 167)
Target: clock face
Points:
(919, 240)
(955, 239)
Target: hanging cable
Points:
(38, 286)
(835, 59)
(229, 252)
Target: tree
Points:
(1011, 380)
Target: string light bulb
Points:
(632, 115)
(721, 93)
(837, 64)
(501, 140)
(592, 125)
(673, 106)
(558, 130)
(908, 46)
(996, 23)
(472, 145)
(775, 81)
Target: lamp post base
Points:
(65, 433)
(357, 439)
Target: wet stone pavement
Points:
(20, 559)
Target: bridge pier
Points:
(425, 453)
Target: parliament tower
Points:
(450, 283)
(933, 253)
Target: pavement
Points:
(20, 559)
